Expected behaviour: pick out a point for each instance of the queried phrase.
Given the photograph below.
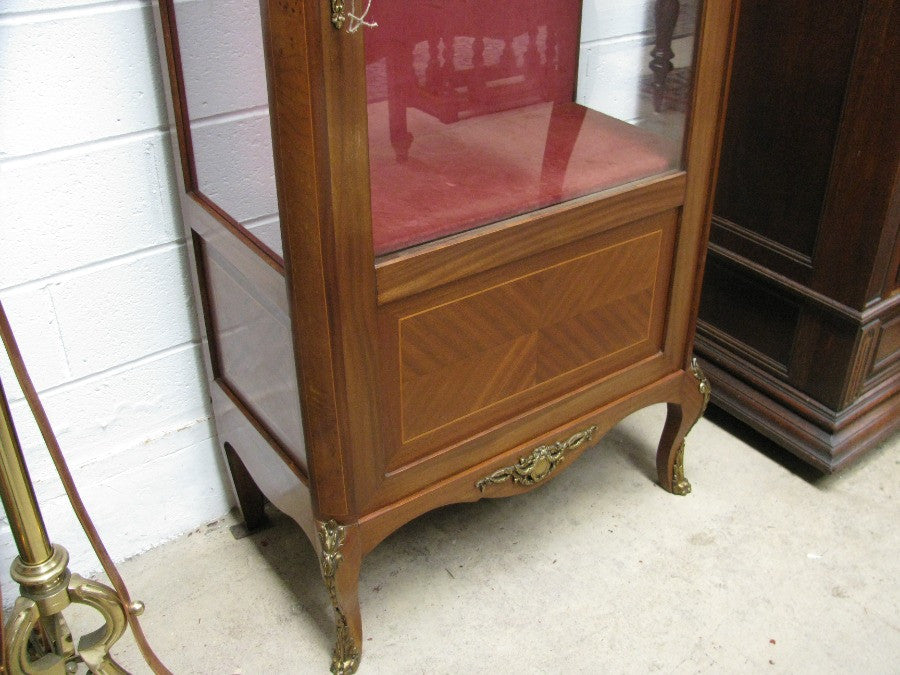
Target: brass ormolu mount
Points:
(337, 13)
(680, 485)
(346, 656)
(534, 468)
(47, 586)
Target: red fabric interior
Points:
(477, 171)
(471, 118)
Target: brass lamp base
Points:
(38, 639)
(47, 589)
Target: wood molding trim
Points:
(774, 247)
(431, 265)
(828, 450)
(871, 312)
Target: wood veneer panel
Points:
(471, 354)
(460, 357)
(249, 337)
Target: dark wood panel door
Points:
(788, 86)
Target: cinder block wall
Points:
(92, 275)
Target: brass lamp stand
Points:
(38, 638)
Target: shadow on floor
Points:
(751, 437)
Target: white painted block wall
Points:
(93, 277)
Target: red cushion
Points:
(490, 167)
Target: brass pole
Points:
(17, 494)
(47, 586)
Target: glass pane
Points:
(223, 69)
(479, 111)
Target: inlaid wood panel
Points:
(465, 355)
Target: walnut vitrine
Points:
(440, 247)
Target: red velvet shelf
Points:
(490, 167)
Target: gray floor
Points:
(766, 567)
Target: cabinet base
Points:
(828, 450)
(257, 471)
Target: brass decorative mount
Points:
(337, 13)
(346, 656)
(703, 384)
(534, 468)
(680, 485)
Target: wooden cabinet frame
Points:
(381, 442)
(799, 328)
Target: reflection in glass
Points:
(479, 111)
(223, 70)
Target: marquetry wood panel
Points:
(468, 354)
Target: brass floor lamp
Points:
(47, 585)
(37, 638)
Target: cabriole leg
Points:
(341, 561)
(680, 420)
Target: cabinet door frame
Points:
(318, 106)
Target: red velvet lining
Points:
(471, 118)
(486, 168)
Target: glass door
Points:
(225, 127)
(480, 111)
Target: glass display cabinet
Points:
(440, 247)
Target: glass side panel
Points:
(223, 72)
(479, 111)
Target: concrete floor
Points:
(766, 567)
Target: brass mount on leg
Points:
(46, 585)
(346, 655)
(680, 485)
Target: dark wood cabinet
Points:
(799, 328)
(438, 258)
